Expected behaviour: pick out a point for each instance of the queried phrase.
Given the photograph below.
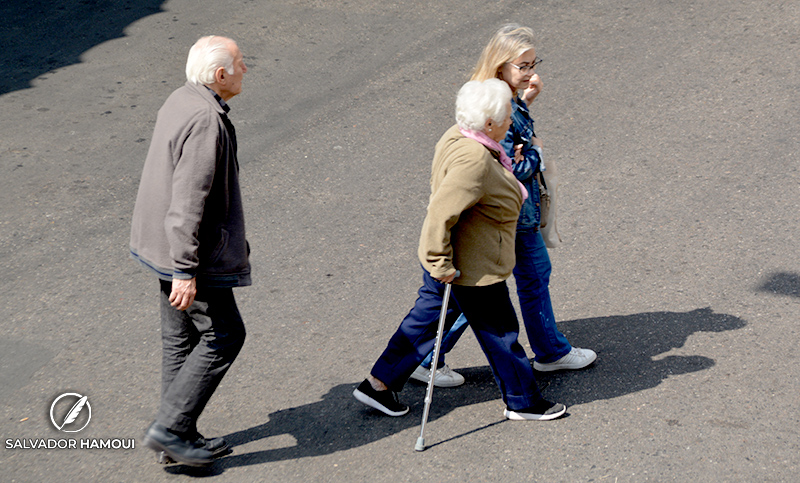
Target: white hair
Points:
(206, 56)
(479, 101)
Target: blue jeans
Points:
(494, 322)
(448, 342)
(532, 274)
(415, 336)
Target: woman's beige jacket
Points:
(472, 214)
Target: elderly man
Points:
(188, 229)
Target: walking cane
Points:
(420, 446)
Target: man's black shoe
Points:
(159, 438)
(217, 446)
(384, 401)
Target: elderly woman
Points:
(511, 57)
(471, 223)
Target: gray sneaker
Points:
(576, 359)
(445, 377)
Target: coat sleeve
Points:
(195, 163)
(461, 188)
(527, 167)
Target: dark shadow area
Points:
(628, 353)
(782, 283)
(627, 348)
(41, 36)
(338, 423)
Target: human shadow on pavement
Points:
(338, 423)
(630, 352)
(782, 283)
(628, 361)
(39, 37)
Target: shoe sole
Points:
(564, 367)
(447, 384)
(158, 447)
(436, 383)
(164, 459)
(515, 416)
(375, 404)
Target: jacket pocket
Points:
(506, 254)
(499, 260)
(220, 248)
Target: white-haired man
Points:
(188, 229)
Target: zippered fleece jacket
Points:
(472, 214)
(188, 220)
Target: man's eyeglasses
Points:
(527, 68)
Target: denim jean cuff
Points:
(553, 357)
(515, 403)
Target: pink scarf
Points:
(490, 143)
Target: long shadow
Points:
(338, 423)
(628, 361)
(629, 352)
(782, 283)
(41, 36)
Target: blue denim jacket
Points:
(521, 132)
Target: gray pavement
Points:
(675, 128)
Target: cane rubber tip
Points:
(420, 446)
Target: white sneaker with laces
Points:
(576, 359)
(445, 377)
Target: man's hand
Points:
(183, 293)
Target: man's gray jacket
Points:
(188, 220)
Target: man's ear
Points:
(219, 75)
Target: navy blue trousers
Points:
(492, 318)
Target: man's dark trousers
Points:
(199, 346)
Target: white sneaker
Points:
(445, 377)
(576, 359)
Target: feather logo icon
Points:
(73, 414)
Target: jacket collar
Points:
(209, 95)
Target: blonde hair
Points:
(508, 43)
(206, 56)
(479, 101)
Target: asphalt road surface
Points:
(675, 128)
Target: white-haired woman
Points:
(511, 57)
(470, 225)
